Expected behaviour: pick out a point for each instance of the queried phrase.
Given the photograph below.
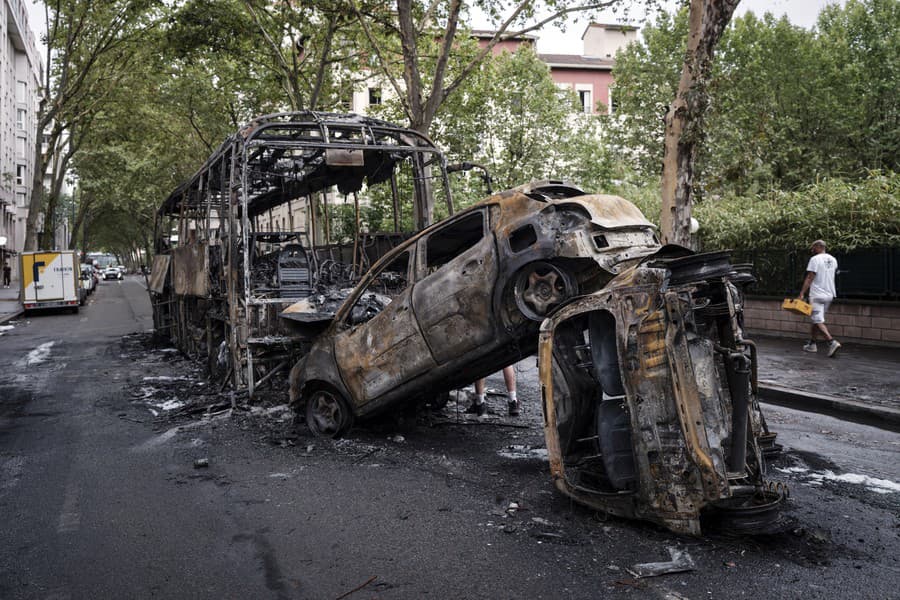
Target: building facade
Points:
(590, 75)
(21, 73)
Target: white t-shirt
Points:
(824, 266)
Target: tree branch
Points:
(382, 62)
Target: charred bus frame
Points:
(223, 269)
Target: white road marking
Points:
(36, 356)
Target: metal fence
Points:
(871, 273)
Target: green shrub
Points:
(847, 215)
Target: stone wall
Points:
(848, 320)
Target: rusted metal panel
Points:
(158, 272)
(190, 270)
(453, 305)
(383, 352)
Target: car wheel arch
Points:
(317, 368)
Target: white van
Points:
(49, 280)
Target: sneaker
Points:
(513, 406)
(833, 347)
(810, 347)
(477, 409)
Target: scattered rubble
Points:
(681, 562)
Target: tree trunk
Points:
(57, 175)
(36, 203)
(684, 119)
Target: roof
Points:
(490, 33)
(613, 26)
(575, 61)
(290, 155)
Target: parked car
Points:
(88, 283)
(112, 272)
(464, 298)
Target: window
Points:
(20, 174)
(613, 105)
(389, 282)
(21, 114)
(20, 199)
(584, 97)
(454, 239)
(21, 92)
(20, 147)
(374, 96)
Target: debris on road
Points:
(681, 562)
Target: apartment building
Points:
(588, 74)
(21, 72)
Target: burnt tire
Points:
(328, 414)
(540, 287)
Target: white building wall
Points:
(603, 41)
(20, 79)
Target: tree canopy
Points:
(788, 105)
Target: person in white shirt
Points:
(819, 283)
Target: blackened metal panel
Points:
(158, 271)
(190, 270)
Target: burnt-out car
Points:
(464, 298)
(649, 397)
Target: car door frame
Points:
(468, 324)
(388, 350)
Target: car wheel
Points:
(540, 287)
(328, 414)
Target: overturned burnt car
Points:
(463, 298)
(649, 397)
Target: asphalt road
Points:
(100, 498)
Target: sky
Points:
(552, 41)
(799, 12)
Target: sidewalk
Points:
(10, 307)
(861, 383)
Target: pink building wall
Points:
(504, 46)
(597, 79)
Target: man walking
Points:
(819, 283)
(7, 273)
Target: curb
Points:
(882, 417)
(10, 316)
